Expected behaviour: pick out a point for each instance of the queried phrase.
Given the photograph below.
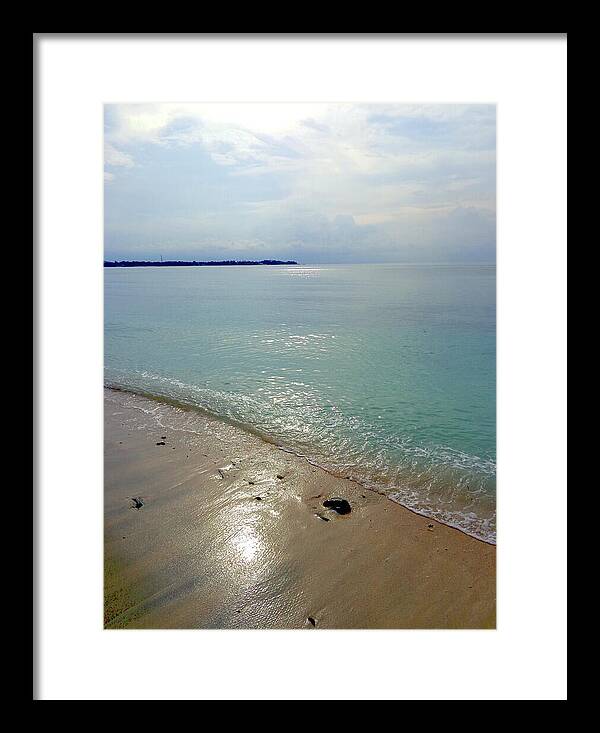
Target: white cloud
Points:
(115, 158)
(281, 173)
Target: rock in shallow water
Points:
(341, 506)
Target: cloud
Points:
(332, 182)
(115, 158)
(112, 156)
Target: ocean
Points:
(383, 373)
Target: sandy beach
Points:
(209, 526)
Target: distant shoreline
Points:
(194, 263)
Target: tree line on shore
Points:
(193, 263)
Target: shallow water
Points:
(385, 373)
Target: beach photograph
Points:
(299, 366)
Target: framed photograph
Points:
(294, 363)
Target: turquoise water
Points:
(385, 373)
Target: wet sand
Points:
(231, 533)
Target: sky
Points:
(316, 183)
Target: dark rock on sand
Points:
(341, 506)
(137, 502)
(280, 476)
(162, 442)
(311, 621)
